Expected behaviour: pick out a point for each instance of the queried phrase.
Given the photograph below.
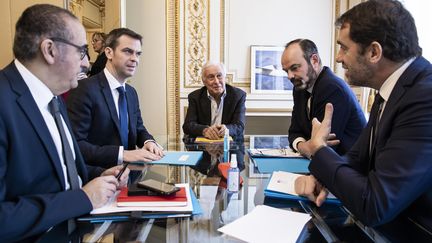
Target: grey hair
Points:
(210, 64)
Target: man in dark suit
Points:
(95, 108)
(43, 178)
(216, 106)
(314, 86)
(387, 175)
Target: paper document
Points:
(284, 152)
(190, 158)
(284, 183)
(267, 224)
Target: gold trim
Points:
(173, 71)
(222, 31)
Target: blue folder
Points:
(279, 195)
(189, 158)
(294, 165)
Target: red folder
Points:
(177, 199)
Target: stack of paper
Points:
(178, 199)
(282, 185)
(267, 224)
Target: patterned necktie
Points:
(67, 154)
(374, 121)
(122, 105)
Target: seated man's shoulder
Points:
(235, 90)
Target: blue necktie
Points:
(122, 105)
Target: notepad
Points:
(206, 140)
(190, 158)
(274, 153)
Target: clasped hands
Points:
(214, 132)
(309, 186)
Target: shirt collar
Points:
(40, 92)
(388, 85)
(112, 81)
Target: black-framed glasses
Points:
(82, 49)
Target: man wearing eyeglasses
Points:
(105, 112)
(43, 178)
(216, 106)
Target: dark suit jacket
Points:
(95, 121)
(98, 65)
(32, 196)
(348, 119)
(398, 181)
(198, 115)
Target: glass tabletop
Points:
(329, 223)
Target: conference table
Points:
(330, 223)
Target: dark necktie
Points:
(122, 105)
(374, 121)
(67, 154)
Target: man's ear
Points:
(314, 60)
(375, 52)
(109, 52)
(48, 51)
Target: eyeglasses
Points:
(82, 49)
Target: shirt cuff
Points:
(120, 155)
(296, 141)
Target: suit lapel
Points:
(206, 107)
(106, 91)
(28, 105)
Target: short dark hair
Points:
(111, 40)
(308, 47)
(37, 22)
(386, 22)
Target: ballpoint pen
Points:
(125, 165)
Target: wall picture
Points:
(267, 76)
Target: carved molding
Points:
(196, 40)
(173, 71)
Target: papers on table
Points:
(282, 185)
(267, 224)
(111, 206)
(206, 140)
(278, 153)
(189, 158)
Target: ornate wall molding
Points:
(173, 71)
(196, 33)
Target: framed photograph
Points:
(267, 76)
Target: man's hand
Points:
(221, 130)
(154, 148)
(309, 187)
(305, 147)
(114, 171)
(321, 136)
(212, 132)
(139, 155)
(100, 190)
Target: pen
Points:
(125, 165)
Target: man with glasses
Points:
(43, 178)
(98, 43)
(105, 112)
(216, 106)
(314, 86)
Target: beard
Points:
(302, 84)
(360, 75)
